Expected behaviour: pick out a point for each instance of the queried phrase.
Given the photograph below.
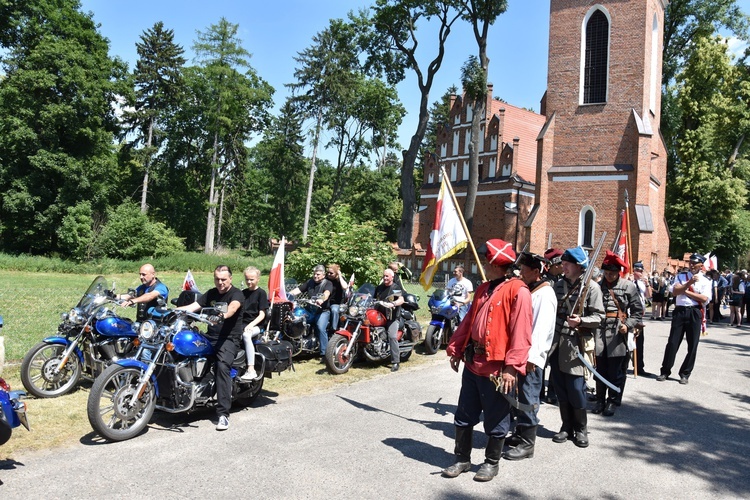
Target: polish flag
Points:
(189, 283)
(711, 262)
(622, 244)
(447, 237)
(276, 279)
(350, 290)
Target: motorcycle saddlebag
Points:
(277, 354)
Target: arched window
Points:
(586, 227)
(595, 57)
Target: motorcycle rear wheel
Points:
(38, 366)
(336, 361)
(432, 339)
(108, 408)
(247, 399)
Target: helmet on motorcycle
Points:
(411, 302)
(295, 328)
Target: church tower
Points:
(601, 136)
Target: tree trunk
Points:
(312, 177)
(471, 191)
(221, 215)
(211, 219)
(408, 194)
(144, 191)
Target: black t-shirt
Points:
(255, 301)
(231, 327)
(314, 289)
(337, 296)
(382, 292)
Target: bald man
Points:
(148, 293)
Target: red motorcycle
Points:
(364, 332)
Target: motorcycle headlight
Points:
(147, 330)
(353, 310)
(74, 316)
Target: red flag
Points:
(447, 237)
(189, 283)
(276, 279)
(711, 262)
(622, 244)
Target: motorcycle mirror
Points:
(222, 307)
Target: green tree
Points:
(711, 103)
(57, 122)
(359, 248)
(158, 82)
(77, 233)
(439, 119)
(481, 14)
(390, 38)
(238, 108)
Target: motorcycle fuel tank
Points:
(115, 327)
(190, 343)
(376, 318)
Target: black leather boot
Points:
(526, 448)
(566, 430)
(490, 467)
(579, 425)
(462, 451)
(599, 407)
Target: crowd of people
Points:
(584, 324)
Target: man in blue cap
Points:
(571, 332)
(692, 291)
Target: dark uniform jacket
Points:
(608, 340)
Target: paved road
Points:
(390, 437)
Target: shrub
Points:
(76, 234)
(358, 248)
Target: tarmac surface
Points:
(392, 435)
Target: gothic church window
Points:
(586, 226)
(595, 58)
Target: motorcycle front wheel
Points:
(114, 410)
(40, 373)
(336, 359)
(5, 431)
(432, 339)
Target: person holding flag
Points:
(338, 296)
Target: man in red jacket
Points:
(493, 339)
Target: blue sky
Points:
(274, 31)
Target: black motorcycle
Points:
(172, 371)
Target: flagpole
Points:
(630, 243)
(463, 223)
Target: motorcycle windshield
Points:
(439, 295)
(361, 300)
(367, 288)
(95, 295)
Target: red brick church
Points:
(559, 178)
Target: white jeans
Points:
(247, 338)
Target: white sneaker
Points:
(223, 423)
(249, 375)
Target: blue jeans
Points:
(529, 388)
(335, 316)
(321, 329)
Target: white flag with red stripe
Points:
(189, 283)
(622, 244)
(276, 288)
(446, 238)
(711, 262)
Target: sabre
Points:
(511, 400)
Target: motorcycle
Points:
(444, 320)
(90, 337)
(294, 321)
(364, 332)
(172, 371)
(12, 409)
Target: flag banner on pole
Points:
(446, 238)
(276, 279)
(622, 245)
(350, 290)
(711, 262)
(189, 283)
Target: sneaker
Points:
(683, 380)
(661, 378)
(249, 375)
(223, 423)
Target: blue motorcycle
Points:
(12, 409)
(444, 320)
(173, 371)
(90, 337)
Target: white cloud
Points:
(736, 46)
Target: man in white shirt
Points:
(463, 300)
(692, 290)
